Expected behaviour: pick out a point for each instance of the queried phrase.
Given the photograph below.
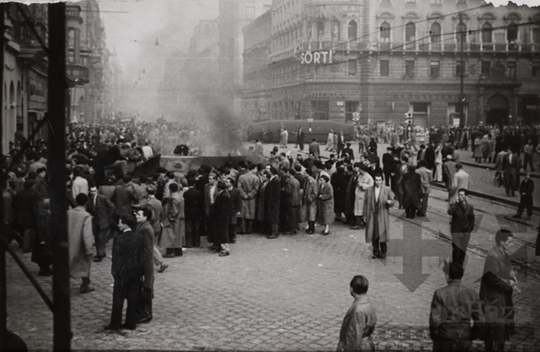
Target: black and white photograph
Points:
(270, 175)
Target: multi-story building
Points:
(25, 78)
(86, 61)
(233, 16)
(385, 58)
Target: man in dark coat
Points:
(144, 228)
(526, 190)
(400, 169)
(272, 203)
(462, 224)
(496, 289)
(411, 198)
(235, 205)
(221, 222)
(511, 165)
(315, 149)
(123, 196)
(429, 156)
(348, 150)
(25, 211)
(388, 165)
(452, 309)
(101, 209)
(337, 180)
(300, 138)
(127, 257)
(292, 189)
(194, 210)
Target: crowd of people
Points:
(158, 214)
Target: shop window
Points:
(435, 33)
(486, 68)
(384, 68)
(435, 69)
(512, 33)
(487, 33)
(409, 68)
(385, 32)
(320, 110)
(352, 67)
(511, 69)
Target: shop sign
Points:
(325, 95)
(316, 57)
(430, 97)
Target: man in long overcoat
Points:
(411, 198)
(173, 220)
(426, 177)
(210, 193)
(364, 182)
(248, 186)
(222, 212)
(81, 242)
(273, 198)
(378, 199)
(350, 195)
(194, 208)
(144, 228)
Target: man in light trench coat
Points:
(377, 200)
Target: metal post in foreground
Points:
(3, 229)
(56, 167)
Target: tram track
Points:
(477, 248)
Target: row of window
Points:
(434, 69)
(292, 73)
(433, 2)
(461, 32)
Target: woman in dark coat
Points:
(222, 220)
(412, 193)
(272, 202)
(340, 188)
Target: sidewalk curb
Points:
(486, 166)
(514, 203)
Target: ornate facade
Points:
(383, 58)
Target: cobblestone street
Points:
(285, 294)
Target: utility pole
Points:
(3, 230)
(56, 166)
(462, 35)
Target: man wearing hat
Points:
(449, 169)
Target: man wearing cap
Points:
(449, 169)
